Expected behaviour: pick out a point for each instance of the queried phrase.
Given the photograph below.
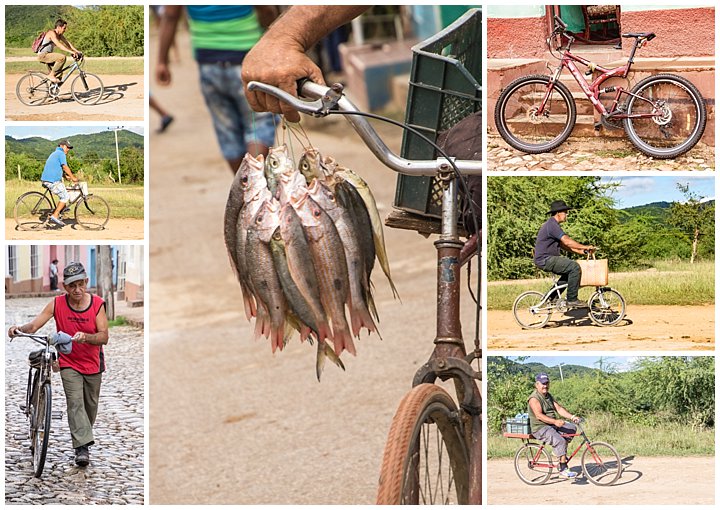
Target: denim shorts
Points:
(236, 124)
(58, 188)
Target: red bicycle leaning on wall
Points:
(664, 115)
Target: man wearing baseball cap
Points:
(52, 178)
(544, 412)
(550, 239)
(81, 315)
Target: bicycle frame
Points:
(593, 90)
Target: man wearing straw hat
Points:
(549, 240)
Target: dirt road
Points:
(645, 480)
(644, 328)
(123, 99)
(120, 229)
(230, 422)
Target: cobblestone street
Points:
(591, 154)
(116, 471)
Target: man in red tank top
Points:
(81, 315)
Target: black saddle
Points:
(641, 35)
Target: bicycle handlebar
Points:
(41, 339)
(324, 100)
(559, 23)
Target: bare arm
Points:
(73, 50)
(536, 408)
(99, 338)
(565, 413)
(284, 45)
(570, 244)
(69, 173)
(168, 28)
(35, 324)
(60, 41)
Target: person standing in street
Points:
(54, 275)
(81, 315)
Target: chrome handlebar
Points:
(323, 100)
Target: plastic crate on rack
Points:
(445, 87)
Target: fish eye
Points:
(259, 218)
(273, 162)
(304, 165)
(245, 179)
(316, 213)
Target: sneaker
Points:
(165, 122)
(567, 473)
(576, 303)
(64, 212)
(57, 221)
(82, 456)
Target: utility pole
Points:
(117, 151)
(562, 379)
(103, 275)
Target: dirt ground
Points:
(644, 328)
(645, 481)
(230, 422)
(123, 99)
(116, 229)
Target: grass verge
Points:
(667, 283)
(118, 321)
(100, 66)
(124, 201)
(667, 439)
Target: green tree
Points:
(694, 218)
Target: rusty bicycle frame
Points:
(449, 359)
(592, 90)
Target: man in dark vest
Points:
(545, 422)
(549, 240)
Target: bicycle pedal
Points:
(57, 415)
(597, 126)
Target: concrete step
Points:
(584, 125)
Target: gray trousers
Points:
(551, 435)
(569, 272)
(82, 393)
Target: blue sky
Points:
(619, 363)
(646, 190)
(55, 132)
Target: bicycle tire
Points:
(424, 409)
(665, 139)
(606, 307)
(87, 88)
(32, 210)
(603, 466)
(513, 114)
(32, 89)
(524, 303)
(41, 433)
(92, 212)
(525, 458)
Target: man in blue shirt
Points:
(52, 178)
(549, 240)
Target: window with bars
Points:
(12, 262)
(35, 271)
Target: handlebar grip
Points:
(560, 22)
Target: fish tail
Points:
(342, 340)
(324, 351)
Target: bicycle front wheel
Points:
(425, 460)
(32, 210)
(527, 310)
(606, 307)
(87, 88)
(601, 463)
(533, 464)
(519, 123)
(676, 116)
(92, 212)
(32, 89)
(40, 432)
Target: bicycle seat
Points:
(641, 35)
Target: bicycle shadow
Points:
(580, 479)
(579, 317)
(111, 93)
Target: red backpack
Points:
(37, 44)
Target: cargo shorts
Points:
(58, 188)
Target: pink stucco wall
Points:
(516, 37)
(680, 32)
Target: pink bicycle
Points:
(663, 115)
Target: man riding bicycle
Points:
(52, 178)
(543, 410)
(55, 61)
(550, 239)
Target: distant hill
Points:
(657, 212)
(102, 144)
(534, 368)
(24, 22)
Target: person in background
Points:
(54, 275)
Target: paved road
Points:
(116, 471)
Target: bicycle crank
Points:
(54, 90)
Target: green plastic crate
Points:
(445, 87)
